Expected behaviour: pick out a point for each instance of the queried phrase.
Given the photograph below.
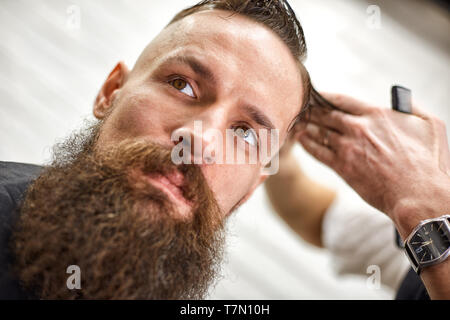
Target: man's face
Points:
(111, 200)
(227, 72)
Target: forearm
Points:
(299, 201)
(408, 214)
(398, 163)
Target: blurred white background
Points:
(54, 56)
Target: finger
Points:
(415, 110)
(334, 119)
(317, 150)
(444, 152)
(346, 103)
(320, 134)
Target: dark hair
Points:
(275, 14)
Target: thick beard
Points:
(88, 209)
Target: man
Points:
(113, 208)
(114, 204)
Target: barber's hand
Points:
(395, 161)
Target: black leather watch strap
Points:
(398, 240)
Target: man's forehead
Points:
(234, 32)
(237, 48)
(223, 24)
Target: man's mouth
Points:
(171, 184)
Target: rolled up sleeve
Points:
(358, 236)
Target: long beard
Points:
(92, 210)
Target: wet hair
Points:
(279, 17)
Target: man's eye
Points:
(182, 86)
(248, 135)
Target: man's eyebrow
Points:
(204, 71)
(259, 117)
(195, 64)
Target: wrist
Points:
(427, 200)
(407, 214)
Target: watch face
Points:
(430, 241)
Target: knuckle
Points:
(359, 128)
(336, 139)
(338, 99)
(378, 112)
(345, 150)
(345, 168)
(344, 146)
(339, 117)
(439, 122)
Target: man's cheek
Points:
(137, 118)
(229, 183)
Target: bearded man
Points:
(113, 203)
(117, 206)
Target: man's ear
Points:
(115, 81)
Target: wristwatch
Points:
(429, 243)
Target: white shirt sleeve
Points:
(358, 236)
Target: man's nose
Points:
(200, 134)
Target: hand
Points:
(394, 161)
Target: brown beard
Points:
(89, 209)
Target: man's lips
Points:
(175, 178)
(172, 185)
